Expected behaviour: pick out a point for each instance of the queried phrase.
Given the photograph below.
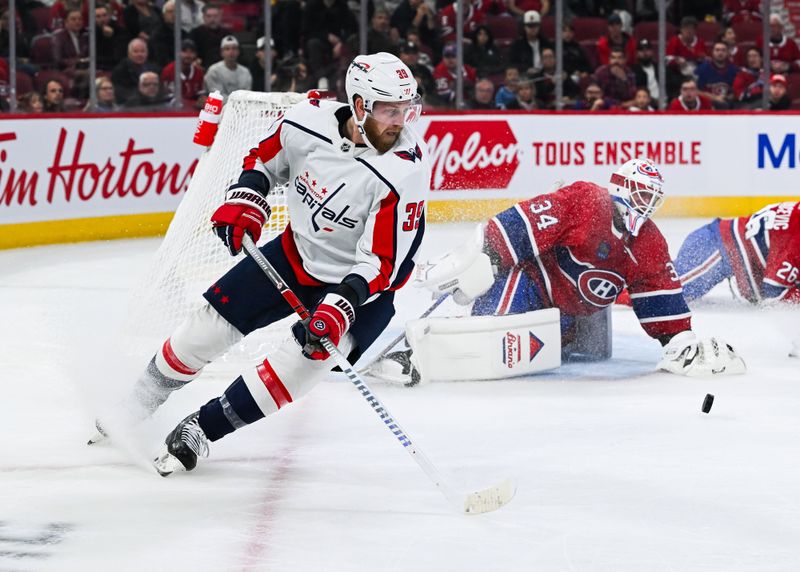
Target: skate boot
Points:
(182, 447)
(396, 368)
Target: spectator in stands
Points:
(112, 40)
(71, 44)
(545, 82)
(576, 64)
(747, 85)
(379, 35)
(126, 73)
(444, 75)
(715, 76)
(295, 77)
(728, 36)
(474, 17)
(208, 36)
(783, 52)
(414, 14)
(425, 51)
(191, 15)
(409, 55)
(525, 99)
(685, 50)
(526, 52)
(142, 19)
(483, 97)
(736, 11)
(593, 99)
(519, 7)
(162, 44)
(690, 98)
(53, 96)
(642, 101)
(149, 96)
(616, 79)
(287, 27)
(778, 97)
(23, 50)
(616, 38)
(31, 102)
(508, 91)
(228, 75)
(482, 54)
(192, 85)
(645, 70)
(259, 64)
(104, 93)
(326, 25)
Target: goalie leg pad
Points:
(280, 379)
(591, 338)
(485, 347)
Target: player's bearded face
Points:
(383, 137)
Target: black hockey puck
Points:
(708, 402)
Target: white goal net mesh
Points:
(191, 257)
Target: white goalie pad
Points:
(485, 347)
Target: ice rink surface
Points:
(617, 468)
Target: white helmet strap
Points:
(360, 123)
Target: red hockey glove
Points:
(245, 210)
(333, 317)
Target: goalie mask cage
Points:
(191, 256)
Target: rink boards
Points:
(76, 177)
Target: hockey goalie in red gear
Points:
(573, 250)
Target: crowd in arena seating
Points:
(713, 53)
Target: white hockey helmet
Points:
(636, 189)
(382, 77)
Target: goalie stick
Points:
(485, 500)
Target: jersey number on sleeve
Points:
(414, 211)
(544, 220)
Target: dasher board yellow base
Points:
(155, 224)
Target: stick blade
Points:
(491, 499)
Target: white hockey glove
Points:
(466, 273)
(686, 355)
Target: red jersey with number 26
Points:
(567, 243)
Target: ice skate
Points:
(396, 368)
(182, 447)
(150, 392)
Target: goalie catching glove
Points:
(466, 273)
(333, 316)
(686, 355)
(244, 210)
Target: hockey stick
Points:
(399, 338)
(485, 500)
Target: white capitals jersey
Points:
(351, 210)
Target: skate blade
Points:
(166, 463)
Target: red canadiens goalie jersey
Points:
(352, 210)
(567, 243)
(764, 251)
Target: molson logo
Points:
(471, 154)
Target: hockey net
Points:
(191, 257)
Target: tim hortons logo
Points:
(134, 171)
(471, 154)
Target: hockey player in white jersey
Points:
(357, 185)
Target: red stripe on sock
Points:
(280, 395)
(173, 361)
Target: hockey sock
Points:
(232, 410)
